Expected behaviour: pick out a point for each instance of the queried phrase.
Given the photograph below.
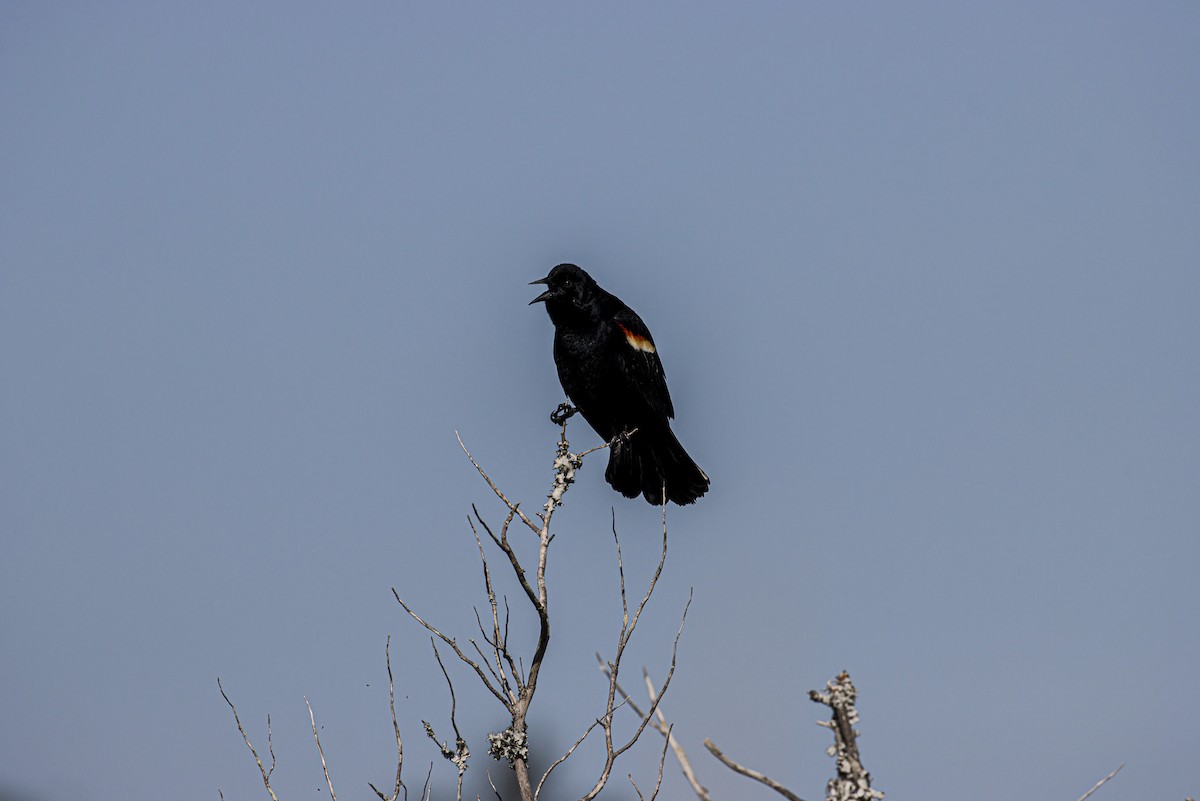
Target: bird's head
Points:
(567, 287)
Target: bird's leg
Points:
(562, 414)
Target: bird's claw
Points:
(562, 414)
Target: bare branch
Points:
(626, 698)
(658, 722)
(852, 782)
(1102, 781)
(458, 651)
(501, 673)
(387, 650)
(499, 641)
(662, 690)
(629, 624)
(753, 774)
(486, 662)
(610, 443)
(494, 790)
(662, 762)
(427, 789)
(662, 560)
(620, 574)
(320, 750)
(461, 753)
(450, 684)
(266, 774)
(564, 757)
(511, 506)
(458, 756)
(681, 756)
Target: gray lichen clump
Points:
(565, 465)
(508, 745)
(457, 757)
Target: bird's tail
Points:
(650, 459)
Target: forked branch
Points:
(497, 667)
(659, 723)
(266, 772)
(628, 625)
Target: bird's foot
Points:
(562, 414)
(624, 437)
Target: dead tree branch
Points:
(628, 625)
(501, 671)
(666, 730)
(659, 724)
(853, 783)
(509, 677)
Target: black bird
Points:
(610, 370)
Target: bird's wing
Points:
(639, 361)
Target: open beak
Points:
(545, 295)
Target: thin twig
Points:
(494, 790)
(483, 657)
(666, 682)
(511, 506)
(320, 750)
(461, 753)
(663, 762)
(458, 651)
(564, 757)
(499, 642)
(637, 710)
(387, 650)
(610, 443)
(681, 756)
(427, 789)
(1102, 781)
(450, 684)
(266, 774)
(748, 772)
(658, 783)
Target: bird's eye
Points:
(566, 282)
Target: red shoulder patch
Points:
(637, 341)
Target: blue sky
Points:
(924, 279)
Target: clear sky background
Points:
(925, 279)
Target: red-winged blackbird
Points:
(610, 370)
